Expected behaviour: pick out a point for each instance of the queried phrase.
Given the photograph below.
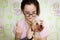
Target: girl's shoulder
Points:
(21, 22)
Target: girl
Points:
(25, 29)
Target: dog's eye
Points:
(36, 23)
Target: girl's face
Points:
(30, 12)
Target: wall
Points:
(10, 13)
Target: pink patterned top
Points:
(23, 25)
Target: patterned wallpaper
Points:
(10, 13)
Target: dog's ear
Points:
(41, 22)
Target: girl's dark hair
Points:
(35, 2)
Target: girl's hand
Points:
(29, 33)
(18, 32)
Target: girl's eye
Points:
(34, 12)
(26, 13)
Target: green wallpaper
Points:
(10, 14)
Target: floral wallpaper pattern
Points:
(10, 13)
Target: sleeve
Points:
(17, 24)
